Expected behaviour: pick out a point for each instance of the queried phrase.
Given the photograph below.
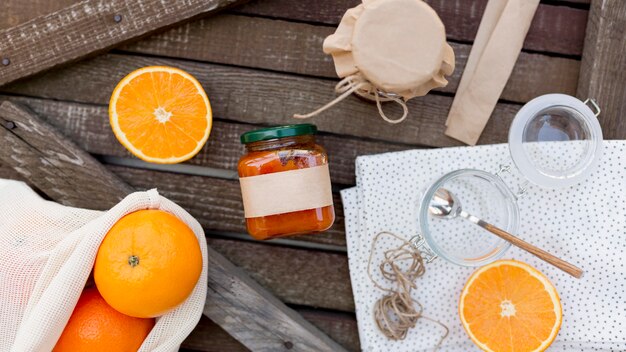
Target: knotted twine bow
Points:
(395, 312)
(357, 84)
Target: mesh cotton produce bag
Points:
(47, 251)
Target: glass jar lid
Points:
(555, 141)
(455, 238)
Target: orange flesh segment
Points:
(161, 114)
(510, 306)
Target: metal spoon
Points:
(445, 205)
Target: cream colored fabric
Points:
(397, 45)
(47, 252)
(498, 43)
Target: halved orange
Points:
(510, 306)
(160, 114)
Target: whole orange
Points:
(94, 326)
(148, 263)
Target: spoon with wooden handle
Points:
(444, 204)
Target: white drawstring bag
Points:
(47, 252)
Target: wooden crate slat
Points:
(234, 301)
(16, 12)
(603, 69)
(8, 172)
(208, 336)
(252, 314)
(88, 126)
(296, 276)
(53, 163)
(261, 97)
(555, 29)
(297, 48)
(341, 327)
(89, 27)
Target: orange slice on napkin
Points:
(160, 114)
(510, 306)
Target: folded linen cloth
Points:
(585, 224)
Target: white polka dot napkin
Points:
(585, 225)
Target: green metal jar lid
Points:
(278, 132)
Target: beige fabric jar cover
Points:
(389, 50)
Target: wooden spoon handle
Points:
(540, 253)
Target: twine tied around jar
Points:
(360, 86)
(395, 313)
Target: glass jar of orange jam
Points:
(285, 182)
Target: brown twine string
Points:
(395, 313)
(360, 86)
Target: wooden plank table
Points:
(260, 63)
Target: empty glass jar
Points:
(555, 141)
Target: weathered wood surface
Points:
(16, 12)
(297, 48)
(555, 29)
(603, 70)
(235, 302)
(261, 97)
(254, 316)
(82, 116)
(341, 327)
(297, 276)
(558, 29)
(89, 27)
(53, 163)
(209, 337)
(8, 172)
(88, 126)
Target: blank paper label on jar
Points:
(286, 192)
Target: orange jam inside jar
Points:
(285, 182)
